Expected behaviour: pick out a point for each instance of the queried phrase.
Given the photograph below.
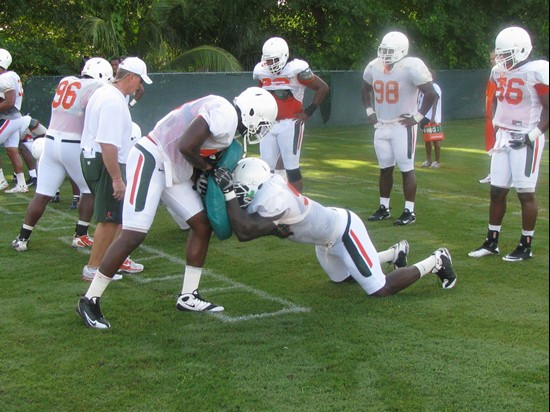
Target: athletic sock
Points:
(426, 266)
(26, 231)
(98, 286)
(81, 228)
(191, 279)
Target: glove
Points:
(202, 184)
(518, 140)
(282, 231)
(224, 179)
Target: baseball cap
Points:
(137, 66)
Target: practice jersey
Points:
(309, 221)
(107, 120)
(396, 90)
(11, 81)
(221, 117)
(287, 87)
(517, 95)
(69, 105)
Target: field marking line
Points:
(289, 307)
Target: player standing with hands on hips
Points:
(520, 120)
(287, 82)
(392, 81)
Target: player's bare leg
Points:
(119, 250)
(409, 185)
(497, 206)
(385, 184)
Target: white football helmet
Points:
(5, 59)
(394, 47)
(38, 147)
(512, 46)
(98, 68)
(136, 132)
(258, 112)
(248, 176)
(275, 54)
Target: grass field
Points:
(289, 340)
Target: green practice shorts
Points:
(106, 208)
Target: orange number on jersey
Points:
(276, 81)
(388, 92)
(507, 90)
(65, 95)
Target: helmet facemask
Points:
(512, 46)
(248, 177)
(393, 47)
(275, 54)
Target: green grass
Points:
(290, 340)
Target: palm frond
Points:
(206, 59)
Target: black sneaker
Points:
(444, 268)
(401, 251)
(14, 178)
(89, 311)
(381, 214)
(518, 254)
(193, 302)
(56, 198)
(406, 218)
(31, 181)
(489, 247)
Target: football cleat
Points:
(19, 244)
(192, 302)
(380, 214)
(486, 249)
(426, 163)
(88, 274)
(90, 312)
(129, 266)
(31, 181)
(444, 268)
(74, 204)
(56, 198)
(401, 251)
(486, 179)
(18, 189)
(82, 241)
(406, 218)
(435, 165)
(4, 185)
(520, 253)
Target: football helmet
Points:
(99, 69)
(5, 59)
(394, 47)
(248, 176)
(258, 112)
(275, 54)
(512, 46)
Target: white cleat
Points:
(18, 189)
(88, 274)
(4, 185)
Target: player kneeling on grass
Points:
(160, 167)
(260, 203)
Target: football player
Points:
(392, 82)
(520, 120)
(287, 81)
(12, 123)
(160, 167)
(342, 244)
(61, 153)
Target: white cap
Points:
(137, 66)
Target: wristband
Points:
(132, 103)
(310, 109)
(370, 111)
(229, 196)
(418, 117)
(533, 134)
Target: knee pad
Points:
(294, 175)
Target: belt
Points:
(63, 140)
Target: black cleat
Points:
(406, 218)
(520, 253)
(89, 311)
(381, 214)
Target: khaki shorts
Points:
(106, 208)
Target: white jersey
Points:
(11, 81)
(222, 120)
(309, 221)
(287, 87)
(396, 90)
(69, 105)
(517, 95)
(430, 115)
(107, 120)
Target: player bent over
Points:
(342, 244)
(160, 167)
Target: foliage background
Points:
(51, 37)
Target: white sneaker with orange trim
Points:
(82, 241)
(129, 266)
